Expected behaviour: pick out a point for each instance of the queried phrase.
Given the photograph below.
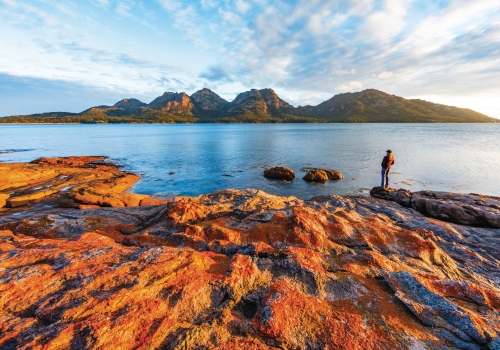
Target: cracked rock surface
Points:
(244, 269)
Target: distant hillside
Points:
(263, 106)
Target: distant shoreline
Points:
(262, 106)
(207, 123)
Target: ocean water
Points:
(201, 158)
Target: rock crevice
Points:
(241, 269)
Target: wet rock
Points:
(76, 161)
(322, 175)
(280, 173)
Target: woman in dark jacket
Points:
(387, 162)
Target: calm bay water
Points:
(209, 157)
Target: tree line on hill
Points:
(263, 106)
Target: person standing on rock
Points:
(387, 162)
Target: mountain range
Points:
(263, 106)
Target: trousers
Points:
(385, 177)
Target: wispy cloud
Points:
(242, 6)
(216, 74)
(206, 4)
(350, 86)
(186, 20)
(385, 75)
(27, 16)
(55, 47)
(123, 8)
(9, 3)
(101, 3)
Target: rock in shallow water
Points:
(322, 175)
(280, 173)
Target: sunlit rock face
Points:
(263, 102)
(208, 100)
(130, 104)
(81, 182)
(208, 105)
(173, 102)
(244, 270)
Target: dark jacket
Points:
(386, 163)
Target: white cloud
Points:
(101, 3)
(25, 15)
(230, 17)
(385, 75)
(351, 86)
(383, 25)
(10, 3)
(123, 8)
(316, 24)
(360, 7)
(242, 6)
(171, 5)
(206, 4)
(186, 20)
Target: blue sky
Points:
(68, 55)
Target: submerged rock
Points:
(244, 269)
(322, 175)
(280, 173)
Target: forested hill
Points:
(263, 106)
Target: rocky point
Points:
(84, 265)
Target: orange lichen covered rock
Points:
(3, 199)
(69, 181)
(245, 270)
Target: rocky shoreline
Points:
(84, 264)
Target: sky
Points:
(69, 55)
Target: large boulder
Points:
(466, 209)
(322, 175)
(401, 196)
(280, 172)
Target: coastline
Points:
(83, 263)
(259, 122)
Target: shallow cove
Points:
(208, 157)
